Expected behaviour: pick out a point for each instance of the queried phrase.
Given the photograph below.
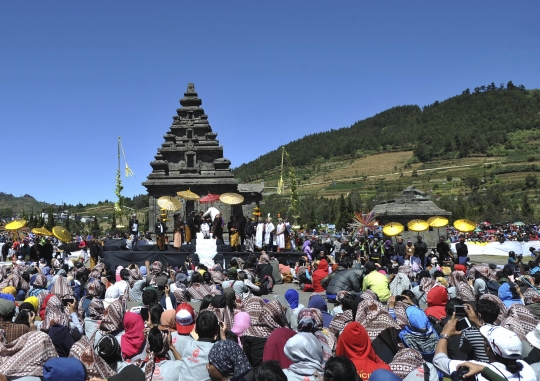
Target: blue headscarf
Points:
(419, 333)
(319, 303)
(292, 298)
(67, 368)
(7, 297)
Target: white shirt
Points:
(447, 366)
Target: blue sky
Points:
(76, 75)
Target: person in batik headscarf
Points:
(272, 316)
(227, 361)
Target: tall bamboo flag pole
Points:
(280, 185)
(128, 173)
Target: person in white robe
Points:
(259, 235)
(269, 234)
(280, 235)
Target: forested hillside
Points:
(475, 122)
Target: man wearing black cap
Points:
(420, 248)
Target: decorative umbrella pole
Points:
(118, 191)
(437, 222)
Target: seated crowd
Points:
(196, 323)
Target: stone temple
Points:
(191, 158)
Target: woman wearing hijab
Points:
(242, 321)
(317, 301)
(437, 298)
(293, 298)
(510, 294)
(354, 343)
(419, 333)
(133, 342)
(310, 320)
(274, 347)
(272, 316)
(318, 275)
(306, 354)
(226, 361)
(168, 321)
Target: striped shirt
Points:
(472, 342)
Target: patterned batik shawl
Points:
(531, 296)
(405, 361)
(272, 317)
(311, 320)
(464, 290)
(339, 322)
(254, 307)
(374, 318)
(400, 309)
(407, 270)
(519, 320)
(503, 310)
(61, 288)
(26, 355)
(55, 314)
(369, 295)
(83, 350)
(113, 318)
(199, 290)
(180, 293)
(399, 284)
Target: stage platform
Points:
(177, 258)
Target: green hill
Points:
(473, 123)
(10, 204)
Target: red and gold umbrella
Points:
(209, 198)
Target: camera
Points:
(459, 374)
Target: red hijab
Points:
(133, 339)
(275, 345)
(437, 298)
(354, 343)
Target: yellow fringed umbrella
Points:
(418, 225)
(169, 203)
(231, 198)
(437, 221)
(42, 231)
(464, 225)
(188, 195)
(392, 228)
(62, 233)
(15, 225)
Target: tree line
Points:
(460, 126)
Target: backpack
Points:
(492, 287)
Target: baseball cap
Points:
(503, 342)
(185, 318)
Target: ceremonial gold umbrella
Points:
(16, 225)
(188, 195)
(437, 221)
(392, 228)
(418, 225)
(169, 203)
(464, 225)
(231, 198)
(62, 233)
(42, 231)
